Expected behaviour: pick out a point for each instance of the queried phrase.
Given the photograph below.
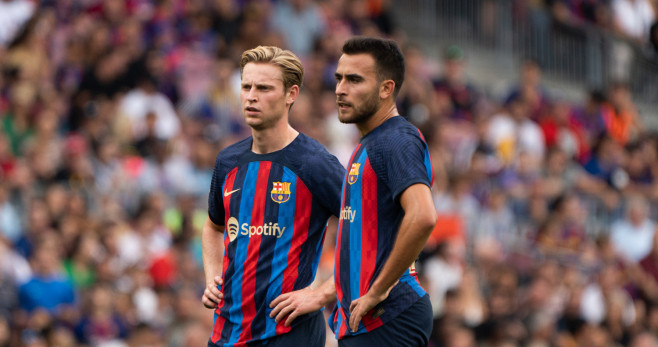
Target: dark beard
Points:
(365, 111)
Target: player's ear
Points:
(292, 94)
(386, 89)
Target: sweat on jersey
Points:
(274, 208)
(387, 160)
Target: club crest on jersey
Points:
(354, 173)
(280, 191)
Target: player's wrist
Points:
(325, 297)
(381, 291)
(377, 292)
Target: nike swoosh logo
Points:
(231, 192)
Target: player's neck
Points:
(272, 139)
(384, 113)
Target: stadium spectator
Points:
(605, 304)
(453, 84)
(530, 89)
(100, 324)
(606, 161)
(443, 272)
(300, 22)
(458, 207)
(591, 115)
(496, 223)
(512, 132)
(633, 18)
(561, 130)
(48, 288)
(149, 112)
(632, 236)
(621, 118)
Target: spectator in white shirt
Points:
(632, 236)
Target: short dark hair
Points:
(389, 60)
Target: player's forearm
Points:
(412, 236)
(416, 226)
(212, 248)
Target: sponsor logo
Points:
(354, 173)
(268, 229)
(233, 228)
(347, 214)
(231, 192)
(280, 192)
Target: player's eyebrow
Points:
(259, 85)
(350, 76)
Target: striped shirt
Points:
(387, 161)
(274, 208)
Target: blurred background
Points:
(541, 117)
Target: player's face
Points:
(264, 99)
(357, 88)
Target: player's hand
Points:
(295, 304)
(212, 295)
(361, 306)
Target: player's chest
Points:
(259, 184)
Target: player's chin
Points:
(254, 123)
(346, 117)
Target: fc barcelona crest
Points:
(280, 191)
(354, 173)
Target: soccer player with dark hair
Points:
(270, 198)
(387, 212)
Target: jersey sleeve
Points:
(215, 201)
(331, 176)
(406, 163)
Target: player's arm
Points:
(416, 226)
(306, 300)
(212, 247)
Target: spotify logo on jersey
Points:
(268, 229)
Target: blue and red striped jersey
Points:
(274, 208)
(387, 161)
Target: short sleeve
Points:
(406, 164)
(321, 172)
(215, 208)
(328, 189)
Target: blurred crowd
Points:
(634, 20)
(112, 113)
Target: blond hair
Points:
(290, 65)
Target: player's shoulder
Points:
(310, 149)
(310, 156)
(393, 132)
(230, 155)
(309, 142)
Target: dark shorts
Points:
(411, 328)
(310, 333)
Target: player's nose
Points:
(340, 88)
